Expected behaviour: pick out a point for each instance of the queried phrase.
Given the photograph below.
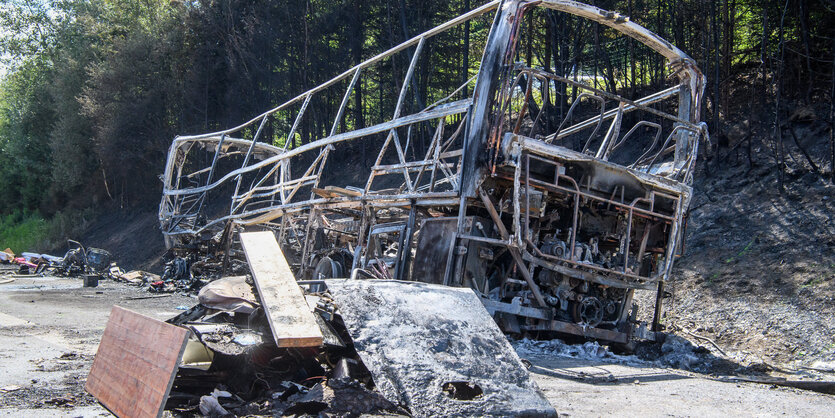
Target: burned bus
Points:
(553, 181)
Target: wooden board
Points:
(135, 364)
(291, 321)
(333, 191)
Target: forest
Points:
(93, 91)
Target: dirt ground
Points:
(758, 272)
(588, 388)
(50, 328)
(49, 332)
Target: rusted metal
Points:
(514, 251)
(556, 227)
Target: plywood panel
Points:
(291, 321)
(135, 364)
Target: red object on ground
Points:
(22, 261)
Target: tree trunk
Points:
(804, 31)
(631, 58)
(832, 120)
(358, 37)
(415, 88)
(778, 134)
(466, 65)
(596, 51)
(716, 70)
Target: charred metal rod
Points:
(659, 300)
(610, 96)
(708, 340)
(514, 252)
(148, 297)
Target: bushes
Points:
(24, 231)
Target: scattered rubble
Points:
(679, 353)
(77, 262)
(188, 269)
(6, 256)
(181, 274)
(259, 345)
(675, 352)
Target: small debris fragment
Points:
(210, 405)
(65, 401)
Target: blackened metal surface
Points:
(416, 338)
(434, 240)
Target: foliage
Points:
(22, 232)
(26, 111)
(29, 231)
(94, 90)
(27, 28)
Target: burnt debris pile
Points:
(232, 364)
(88, 263)
(188, 269)
(263, 343)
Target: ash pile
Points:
(264, 344)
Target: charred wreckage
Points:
(553, 214)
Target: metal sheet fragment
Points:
(417, 338)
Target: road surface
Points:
(50, 328)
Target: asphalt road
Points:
(50, 328)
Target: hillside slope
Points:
(758, 271)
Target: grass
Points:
(29, 231)
(813, 282)
(709, 281)
(744, 250)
